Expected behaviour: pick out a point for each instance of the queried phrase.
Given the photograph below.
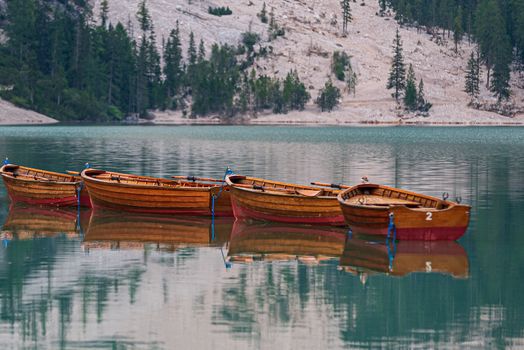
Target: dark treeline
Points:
(496, 25)
(57, 61)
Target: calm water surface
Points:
(114, 281)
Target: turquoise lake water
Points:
(120, 281)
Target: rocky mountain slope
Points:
(10, 115)
(313, 32)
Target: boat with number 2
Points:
(370, 209)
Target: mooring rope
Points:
(214, 198)
(79, 189)
(391, 252)
(391, 228)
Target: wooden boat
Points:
(253, 198)
(28, 222)
(273, 241)
(146, 194)
(41, 187)
(404, 257)
(367, 209)
(113, 229)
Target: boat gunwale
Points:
(175, 185)
(450, 204)
(270, 192)
(28, 179)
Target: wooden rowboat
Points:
(110, 229)
(367, 209)
(275, 241)
(405, 257)
(42, 187)
(154, 195)
(253, 198)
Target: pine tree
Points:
(104, 13)
(173, 66)
(243, 102)
(339, 63)
(123, 69)
(143, 17)
(277, 97)
(328, 97)
(346, 15)
(154, 72)
(262, 91)
(262, 15)
(201, 51)
(518, 19)
(457, 29)
(272, 22)
(148, 64)
(422, 104)
(397, 74)
(492, 37)
(472, 84)
(294, 92)
(191, 50)
(191, 61)
(501, 75)
(410, 94)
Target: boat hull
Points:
(40, 193)
(296, 210)
(450, 224)
(368, 209)
(156, 200)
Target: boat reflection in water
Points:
(28, 222)
(254, 241)
(364, 257)
(122, 230)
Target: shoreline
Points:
(306, 118)
(11, 115)
(218, 122)
(320, 124)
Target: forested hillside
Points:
(496, 25)
(75, 60)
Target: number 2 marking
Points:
(429, 216)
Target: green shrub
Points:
(328, 97)
(114, 113)
(339, 64)
(249, 39)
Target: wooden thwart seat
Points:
(309, 193)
